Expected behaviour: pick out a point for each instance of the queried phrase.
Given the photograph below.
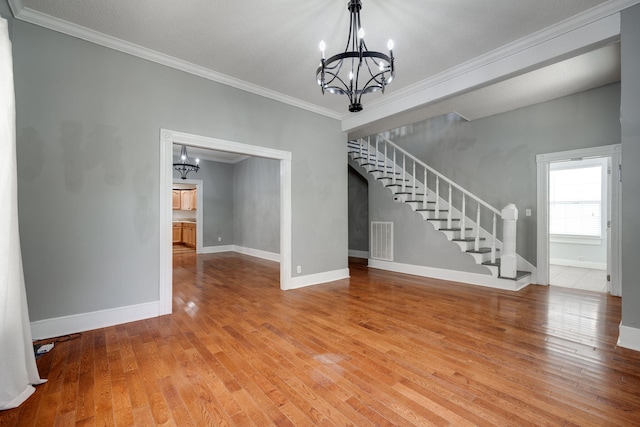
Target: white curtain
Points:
(18, 370)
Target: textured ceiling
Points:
(273, 44)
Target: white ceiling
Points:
(270, 47)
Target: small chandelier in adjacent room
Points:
(357, 70)
(184, 166)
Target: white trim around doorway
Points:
(543, 164)
(170, 137)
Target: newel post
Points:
(508, 259)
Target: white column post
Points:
(508, 259)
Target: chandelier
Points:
(185, 165)
(357, 70)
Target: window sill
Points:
(576, 240)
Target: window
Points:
(575, 202)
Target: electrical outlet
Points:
(219, 239)
(299, 269)
(527, 212)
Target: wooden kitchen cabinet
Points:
(177, 232)
(189, 234)
(184, 199)
(176, 199)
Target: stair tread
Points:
(467, 239)
(391, 172)
(398, 185)
(454, 229)
(442, 219)
(519, 275)
(481, 251)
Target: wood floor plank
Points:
(378, 349)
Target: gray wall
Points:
(494, 157)
(358, 211)
(5, 12)
(88, 122)
(256, 204)
(630, 121)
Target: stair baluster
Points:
(404, 173)
(386, 173)
(413, 192)
(377, 152)
(424, 200)
(394, 166)
(493, 240)
(463, 220)
(369, 152)
(476, 246)
(450, 212)
(437, 212)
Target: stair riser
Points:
(465, 246)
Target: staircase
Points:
(463, 218)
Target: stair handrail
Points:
(441, 176)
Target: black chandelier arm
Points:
(185, 168)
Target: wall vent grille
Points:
(382, 240)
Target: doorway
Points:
(193, 214)
(167, 139)
(578, 219)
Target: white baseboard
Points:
(451, 275)
(580, 264)
(65, 325)
(217, 249)
(314, 279)
(629, 338)
(358, 254)
(271, 256)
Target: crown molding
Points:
(34, 17)
(445, 84)
(598, 22)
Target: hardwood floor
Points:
(380, 349)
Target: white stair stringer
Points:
(374, 164)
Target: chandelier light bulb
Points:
(361, 33)
(197, 161)
(183, 157)
(350, 75)
(323, 46)
(390, 44)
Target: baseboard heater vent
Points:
(381, 246)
